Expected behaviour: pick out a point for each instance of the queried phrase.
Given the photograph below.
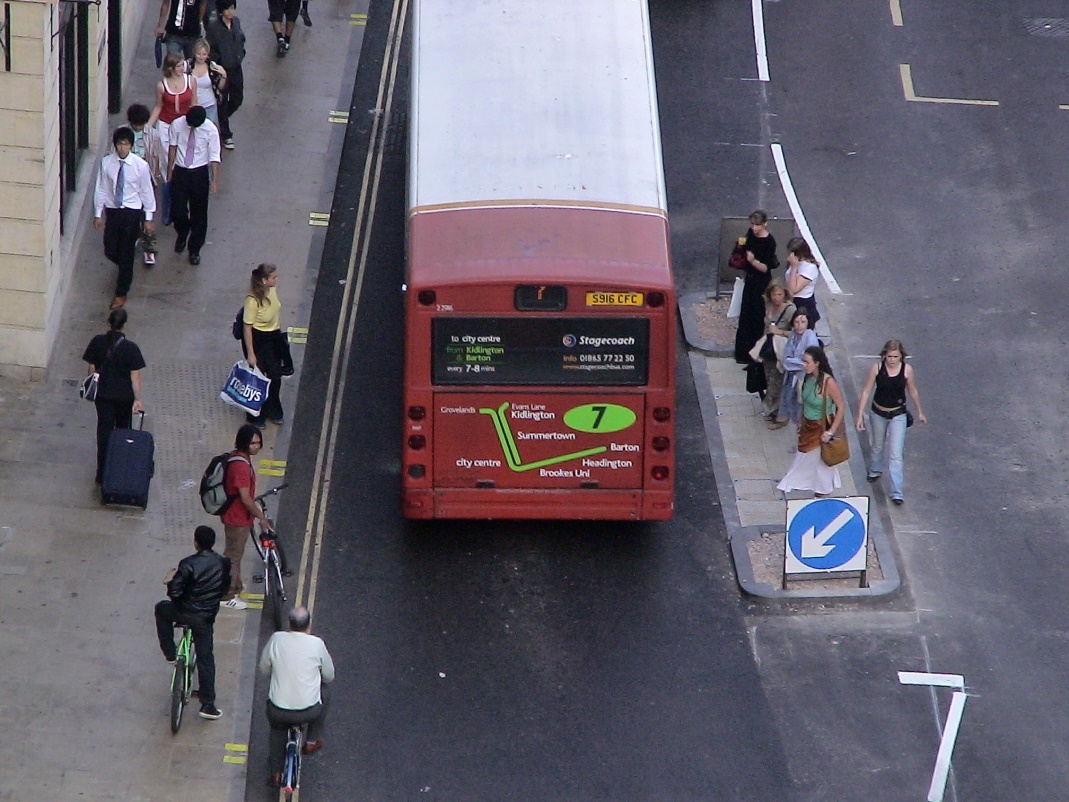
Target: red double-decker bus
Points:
(540, 308)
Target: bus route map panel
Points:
(546, 351)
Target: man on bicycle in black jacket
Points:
(193, 596)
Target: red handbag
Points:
(738, 260)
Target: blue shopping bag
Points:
(246, 388)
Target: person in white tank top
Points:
(209, 77)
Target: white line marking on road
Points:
(946, 748)
(955, 681)
(759, 38)
(799, 218)
(896, 13)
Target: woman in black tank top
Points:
(891, 378)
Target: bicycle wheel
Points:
(178, 693)
(274, 594)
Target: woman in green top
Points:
(820, 391)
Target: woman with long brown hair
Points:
(263, 340)
(821, 398)
(891, 378)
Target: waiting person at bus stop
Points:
(193, 595)
(299, 666)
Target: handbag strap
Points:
(824, 398)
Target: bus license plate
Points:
(614, 299)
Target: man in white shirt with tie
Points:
(122, 201)
(193, 165)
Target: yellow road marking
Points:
(237, 747)
(234, 759)
(338, 116)
(346, 328)
(239, 758)
(907, 88)
(318, 218)
(273, 467)
(251, 596)
(358, 19)
(297, 334)
(896, 13)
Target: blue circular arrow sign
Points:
(826, 534)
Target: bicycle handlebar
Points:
(273, 491)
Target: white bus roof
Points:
(540, 101)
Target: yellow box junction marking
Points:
(242, 749)
(273, 467)
(907, 88)
(358, 19)
(338, 116)
(297, 334)
(318, 218)
(896, 13)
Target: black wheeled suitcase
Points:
(128, 467)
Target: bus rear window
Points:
(561, 351)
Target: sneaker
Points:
(311, 747)
(234, 604)
(210, 711)
(898, 500)
(286, 45)
(873, 476)
(283, 48)
(171, 660)
(228, 143)
(150, 258)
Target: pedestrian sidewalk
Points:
(749, 460)
(84, 688)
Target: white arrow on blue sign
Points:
(827, 534)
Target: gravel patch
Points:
(713, 322)
(766, 557)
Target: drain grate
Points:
(1047, 26)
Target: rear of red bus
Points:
(539, 365)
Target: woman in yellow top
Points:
(264, 343)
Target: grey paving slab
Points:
(83, 691)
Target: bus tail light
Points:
(661, 443)
(655, 299)
(417, 413)
(659, 472)
(662, 414)
(427, 297)
(417, 471)
(417, 441)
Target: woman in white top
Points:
(209, 77)
(801, 278)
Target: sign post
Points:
(827, 535)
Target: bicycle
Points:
(274, 563)
(182, 677)
(291, 766)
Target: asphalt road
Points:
(519, 661)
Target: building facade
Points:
(60, 74)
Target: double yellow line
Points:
(314, 532)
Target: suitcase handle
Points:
(141, 424)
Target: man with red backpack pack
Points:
(241, 508)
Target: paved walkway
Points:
(84, 687)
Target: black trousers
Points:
(203, 641)
(272, 354)
(111, 415)
(122, 229)
(233, 97)
(189, 205)
(281, 719)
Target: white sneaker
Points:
(234, 604)
(150, 258)
(228, 143)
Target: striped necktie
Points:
(191, 147)
(120, 184)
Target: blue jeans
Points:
(789, 408)
(892, 433)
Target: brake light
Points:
(661, 443)
(662, 414)
(659, 472)
(417, 413)
(655, 299)
(417, 441)
(427, 297)
(417, 471)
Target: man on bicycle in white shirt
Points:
(299, 665)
